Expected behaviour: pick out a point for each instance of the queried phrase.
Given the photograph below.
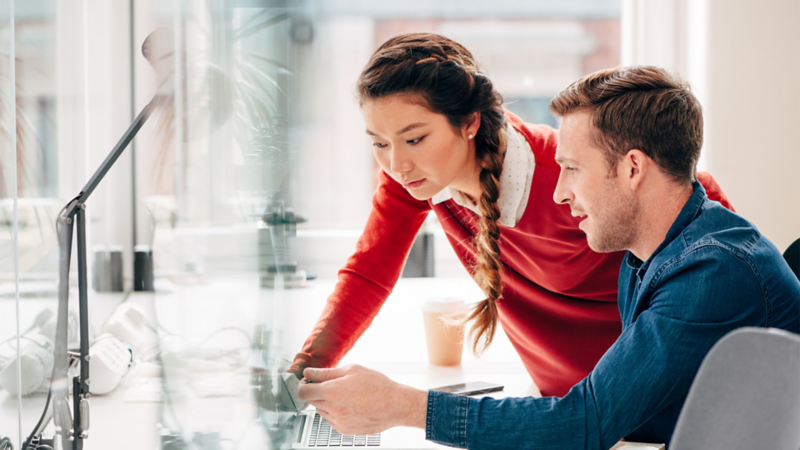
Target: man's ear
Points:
(635, 165)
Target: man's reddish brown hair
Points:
(640, 107)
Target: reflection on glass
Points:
(28, 209)
(8, 330)
(222, 223)
(261, 131)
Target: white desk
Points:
(194, 311)
(108, 412)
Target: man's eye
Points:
(379, 145)
(415, 141)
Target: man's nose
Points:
(562, 194)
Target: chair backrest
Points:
(792, 257)
(746, 395)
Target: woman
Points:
(444, 142)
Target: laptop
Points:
(312, 431)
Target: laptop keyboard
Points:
(323, 435)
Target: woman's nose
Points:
(399, 163)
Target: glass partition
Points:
(214, 188)
(199, 215)
(29, 203)
(198, 275)
(10, 427)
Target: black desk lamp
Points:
(158, 50)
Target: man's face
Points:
(599, 196)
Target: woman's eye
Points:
(415, 141)
(379, 145)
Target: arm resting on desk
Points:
(357, 400)
(636, 390)
(638, 387)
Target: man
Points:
(629, 143)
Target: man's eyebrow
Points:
(560, 160)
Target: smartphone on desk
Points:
(470, 388)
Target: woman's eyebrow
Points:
(411, 127)
(403, 130)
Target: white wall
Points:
(753, 112)
(93, 113)
(743, 60)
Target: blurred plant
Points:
(227, 85)
(17, 118)
(29, 147)
(269, 144)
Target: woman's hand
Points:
(357, 400)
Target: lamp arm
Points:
(73, 214)
(111, 158)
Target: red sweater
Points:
(559, 304)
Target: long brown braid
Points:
(444, 75)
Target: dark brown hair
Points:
(448, 81)
(644, 108)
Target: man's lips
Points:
(578, 214)
(580, 224)
(412, 184)
(581, 216)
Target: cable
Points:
(27, 339)
(156, 351)
(5, 444)
(220, 330)
(25, 445)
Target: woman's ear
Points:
(473, 126)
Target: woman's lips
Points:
(413, 184)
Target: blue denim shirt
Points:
(714, 272)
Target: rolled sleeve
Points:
(446, 419)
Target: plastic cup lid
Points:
(443, 305)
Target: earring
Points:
(470, 136)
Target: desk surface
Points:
(194, 311)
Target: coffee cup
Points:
(444, 330)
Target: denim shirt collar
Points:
(687, 215)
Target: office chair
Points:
(792, 257)
(746, 395)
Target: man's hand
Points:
(357, 400)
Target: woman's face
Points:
(419, 148)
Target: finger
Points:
(320, 404)
(321, 375)
(296, 370)
(312, 392)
